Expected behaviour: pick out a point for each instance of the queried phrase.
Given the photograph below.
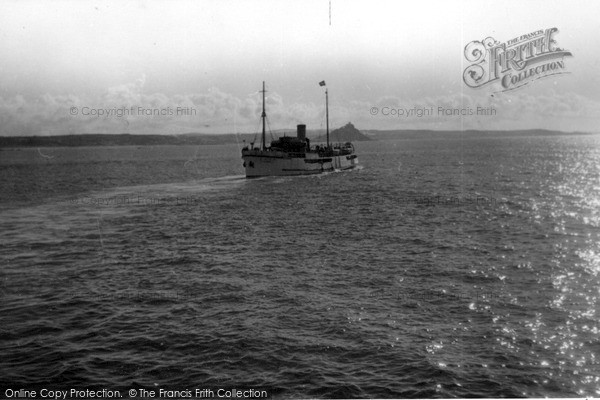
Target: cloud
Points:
(125, 109)
(515, 110)
(128, 108)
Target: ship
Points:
(295, 155)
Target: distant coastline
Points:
(124, 139)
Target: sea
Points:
(441, 268)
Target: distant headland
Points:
(347, 133)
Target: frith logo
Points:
(515, 63)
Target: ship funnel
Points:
(301, 132)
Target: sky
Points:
(172, 67)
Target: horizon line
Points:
(293, 129)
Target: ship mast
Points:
(327, 114)
(264, 117)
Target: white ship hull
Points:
(259, 163)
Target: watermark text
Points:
(133, 111)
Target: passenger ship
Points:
(290, 155)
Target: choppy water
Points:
(442, 268)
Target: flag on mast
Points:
(322, 83)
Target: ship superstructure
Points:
(291, 155)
